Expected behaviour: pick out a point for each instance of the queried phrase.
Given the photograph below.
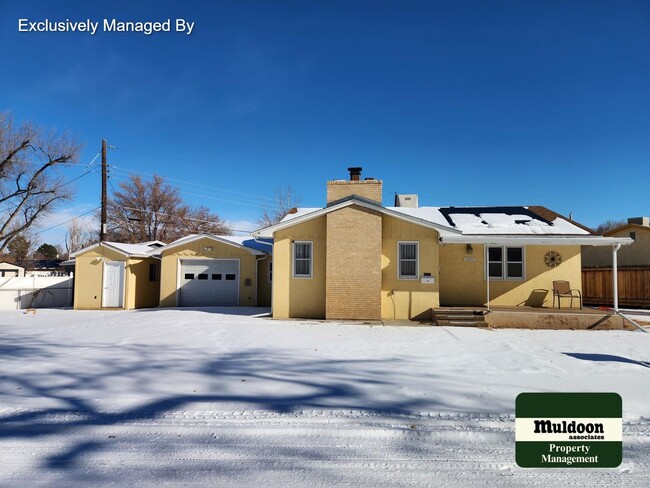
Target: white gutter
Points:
(546, 240)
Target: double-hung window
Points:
(302, 259)
(505, 263)
(408, 260)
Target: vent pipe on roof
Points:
(355, 173)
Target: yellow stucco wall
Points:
(635, 254)
(299, 297)
(143, 293)
(410, 299)
(195, 249)
(462, 281)
(139, 292)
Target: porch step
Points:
(459, 317)
(461, 323)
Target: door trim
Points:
(122, 265)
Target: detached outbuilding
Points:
(114, 275)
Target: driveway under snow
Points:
(205, 398)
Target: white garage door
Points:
(209, 283)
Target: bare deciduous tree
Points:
(77, 237)
(150, 210)
(284, 200)
(609, 225)
(30, 186)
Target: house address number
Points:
(469, 259)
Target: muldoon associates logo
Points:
(569, 430)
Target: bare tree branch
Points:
(149, 210)
(30, 187)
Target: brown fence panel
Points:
(633, 286)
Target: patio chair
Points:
(562, 289)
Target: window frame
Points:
(294, 258)
(154, 272)
(504, 263)
(417, 261)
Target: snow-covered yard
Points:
(204, 398)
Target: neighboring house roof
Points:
(633, 227)
(8, 265)
(245, 242)
(144, 249)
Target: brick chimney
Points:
(369, 188)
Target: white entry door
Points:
(113, 293)
(209, 283)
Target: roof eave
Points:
(214, 238)
(552, 240)
(269, 231)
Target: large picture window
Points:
(302, 259)
(408, 260)
(505, 263)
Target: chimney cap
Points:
(355, 172)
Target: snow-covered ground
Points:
(206, 398)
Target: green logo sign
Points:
(569, 430)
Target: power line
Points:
(212, 163)
(212, 197)
(69, 220)
(178, 217)
(195, 184)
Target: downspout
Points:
(257, 273)
(487, 275)
(615, 249)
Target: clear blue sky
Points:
(463, 102)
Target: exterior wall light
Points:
(469, 249)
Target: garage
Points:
(209, 283)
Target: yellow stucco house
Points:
(356, 259)
(636, 254)
(195, 271)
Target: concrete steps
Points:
(459, 317)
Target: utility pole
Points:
(102, 231)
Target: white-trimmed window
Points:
(505, 263)
(302, 259)
(408, 253)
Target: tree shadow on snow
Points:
(606, 357)
(163, 377)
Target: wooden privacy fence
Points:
(633, 286)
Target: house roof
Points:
(515, 220)
(306, 214)
(143, 249)
(8, 265)
(245, 242)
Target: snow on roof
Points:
(514, 220)
(494, 220)
(143, 248)
(299, 212)
(245, 241)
